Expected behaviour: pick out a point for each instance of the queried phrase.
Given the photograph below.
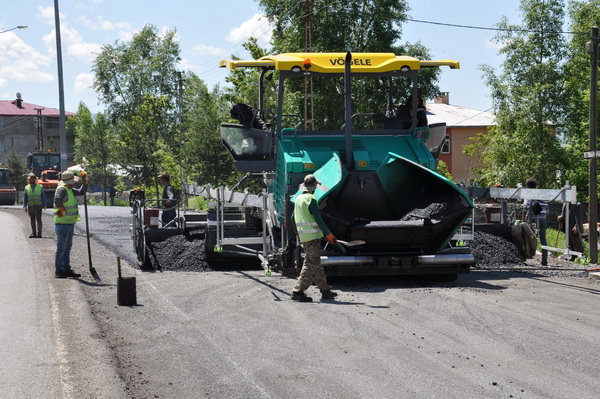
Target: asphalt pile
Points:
(180, 253)
(425, 213)
(491, 252)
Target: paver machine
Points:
(377, 171)
(376, 167)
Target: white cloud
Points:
(494, 45)
(203, 49)
(104, 25)
(46, 14)
(72, 45)
(83, 82)
(185, 65)
(127, 36)
(257, 26)
(19, 61)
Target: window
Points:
(1, 122)
(1, 145)
(446, 145)
(52, 122)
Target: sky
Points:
(209, 31)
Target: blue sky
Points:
(209, 31)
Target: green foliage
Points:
(363, 26)
(206, 159)
(95, 145)
(136, 80)
(559, 242)
(126, 74)
(529, 97)
(197, 203)
(244, 87)
(17, 171)
(357, 26)
(442, 169)
(583, 15)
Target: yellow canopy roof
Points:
(335, 62)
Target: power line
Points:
(488, 28)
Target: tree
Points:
(244, 80)
(528, 97)
(356, 26)
(95, 142)
(583, 15)
(205, 157)
(17, 172)
(136, 80)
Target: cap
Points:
(310, 183)
(164, 175)
(31, 175)
(69, 178)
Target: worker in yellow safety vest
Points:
(66, 214)
(311, 228)
(34, 201)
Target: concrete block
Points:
(595, 276)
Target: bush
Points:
(197, 203)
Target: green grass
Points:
(560, 243)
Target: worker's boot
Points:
(328, 295)
(301, 297)
(71, 273)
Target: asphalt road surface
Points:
(237, 333)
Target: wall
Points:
(20, 133)
(461, 166)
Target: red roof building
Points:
(26, 127)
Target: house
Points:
(26, 127)
(461, 125)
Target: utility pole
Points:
(592, 48)
(61, 92)
(309, 109)
(40, 131)
(180, 81)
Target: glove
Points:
(331, 239)
(84, 177)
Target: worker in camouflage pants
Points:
(311, 228)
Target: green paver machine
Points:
(376, 169)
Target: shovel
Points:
(87, 234)
(351, 243)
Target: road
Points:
(237, 334)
